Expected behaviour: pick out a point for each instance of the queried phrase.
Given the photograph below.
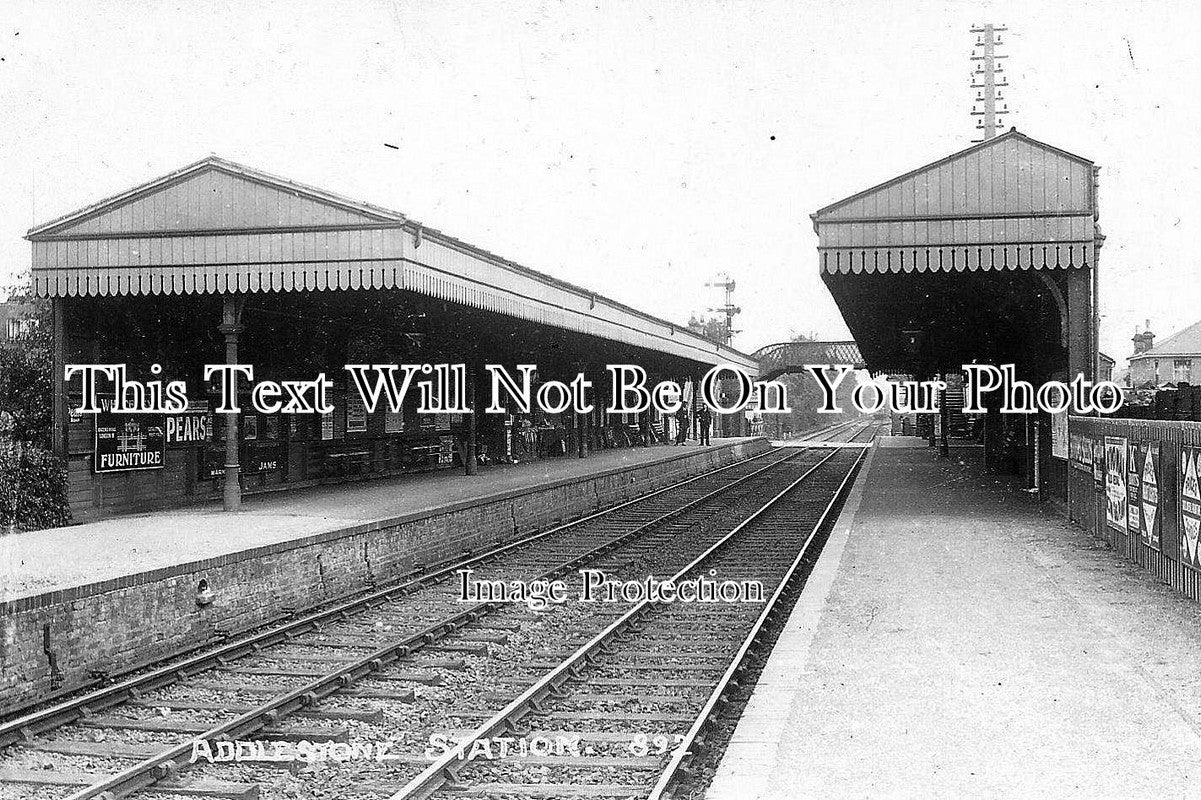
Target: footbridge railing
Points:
(783, 357)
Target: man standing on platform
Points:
(703, 419)
(682, 424)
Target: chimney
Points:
(1143, 341)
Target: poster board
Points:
(1134, 490)
(1190, 506)
(1080, 449)
(128, 442)
(1115, 482)
(356, 414)
(193, 426)
(1059, 435)
(1149, 495)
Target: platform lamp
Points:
(912, 340)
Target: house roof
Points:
(1182, 343)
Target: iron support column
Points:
(1080, 322)
(470, 462)
(230, 327)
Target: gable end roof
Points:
(208, 164)
(1012, 133)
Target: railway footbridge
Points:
(784, 357)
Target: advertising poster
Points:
(212, 463)
(193, 426)
(126, 442)
(356, 414)
(446, 451)
(253, 458)
(263, 457)
(1059, 435)
(1190, 506)
(1149, 494)
(1115, 482)
(1080, 449)
(1134, 481)
(394, 422)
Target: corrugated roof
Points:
(212, 162)
(1010, 203)
(1011, 134)
(172, 235)
(1182, 343)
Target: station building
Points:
(990, 256)
(217, 262)
(987, 256)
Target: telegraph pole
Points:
(984, 81)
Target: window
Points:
(1182, 370)
(19, 328)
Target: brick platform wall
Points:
(61, 640)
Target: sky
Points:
(638, 149)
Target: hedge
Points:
(33, 489)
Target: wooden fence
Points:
(1135, 484)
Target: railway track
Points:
(632, 704)
(393, 667)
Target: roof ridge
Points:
(213, 161)
(1012, 133)
(1183, 333)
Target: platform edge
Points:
(745, 769)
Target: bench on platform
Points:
(342, 463)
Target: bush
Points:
(33, 489)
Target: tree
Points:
(804, 398)
(33, 482)
(26, 385)
(713, 328)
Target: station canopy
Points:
(956, 261)
(217, 227)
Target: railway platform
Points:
(955, 639)
(79, 601)
(59, 558)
